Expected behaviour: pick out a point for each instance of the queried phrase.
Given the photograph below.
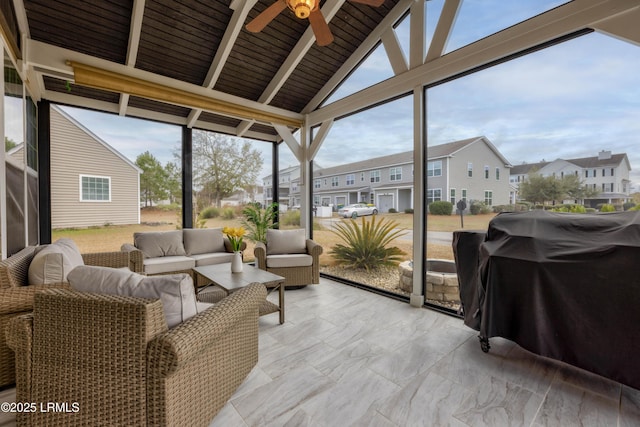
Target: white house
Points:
(608, 173)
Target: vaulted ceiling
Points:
(193, 63)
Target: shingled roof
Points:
(583, 162)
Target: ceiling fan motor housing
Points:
(302, 8)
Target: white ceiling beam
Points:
(123, 104)
(21, 17)
(244, 127)
(563, 20)
(135, 30)
(35, 84)
(331, 7)
(228, 41)
(417, 31)
(290, 140)
(229, 130)
(443, 29)
(394, 51)
(193, 117)
(322, 133)
(108, 107)
(359, 54)
(625, 26)
(54, 59)
(240, 9)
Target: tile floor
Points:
(347, 357)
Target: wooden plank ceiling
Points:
(185, 40)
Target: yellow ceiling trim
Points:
(87, 75)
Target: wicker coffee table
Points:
(221, 275)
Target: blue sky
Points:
(568, 101)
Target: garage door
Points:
(385, 202)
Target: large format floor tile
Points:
(347, 357)
(351, 358)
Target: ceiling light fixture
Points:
(302, 8)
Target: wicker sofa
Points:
(16, 295)
(178, 251)
(115, 358)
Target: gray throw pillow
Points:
(203, 240)
(176, 291)
(159, 243)
(52, 263)
(286, 242)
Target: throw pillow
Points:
(286, 242)
(159, 243)
(176, 291)
(53, 262)
(203, 240)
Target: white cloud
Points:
(131, 136)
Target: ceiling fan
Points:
(304, 9)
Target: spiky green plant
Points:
(365, 245)
(257, 221)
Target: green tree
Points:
(152, 180)
(173, 182)
(575, 188)
(539, 189)
(9, 144)
(534, 189)
(223, 165)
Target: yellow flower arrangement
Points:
(235, 236)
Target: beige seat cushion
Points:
(166, 264)
(203, 240)
(293, 260)
(286, 242)
(159, 243)
(176, 291)
(53, 262)
(214, 258)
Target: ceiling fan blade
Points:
(320, 28)
(258, 23)
(374, 3)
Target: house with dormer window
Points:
(607, 173)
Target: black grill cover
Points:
(565, 286)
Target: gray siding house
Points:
(471, 169)
(92, 184)
(386, 182)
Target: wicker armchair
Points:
(17, 298)
(295, 275)
(115, 358)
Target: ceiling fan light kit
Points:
(303, 9)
